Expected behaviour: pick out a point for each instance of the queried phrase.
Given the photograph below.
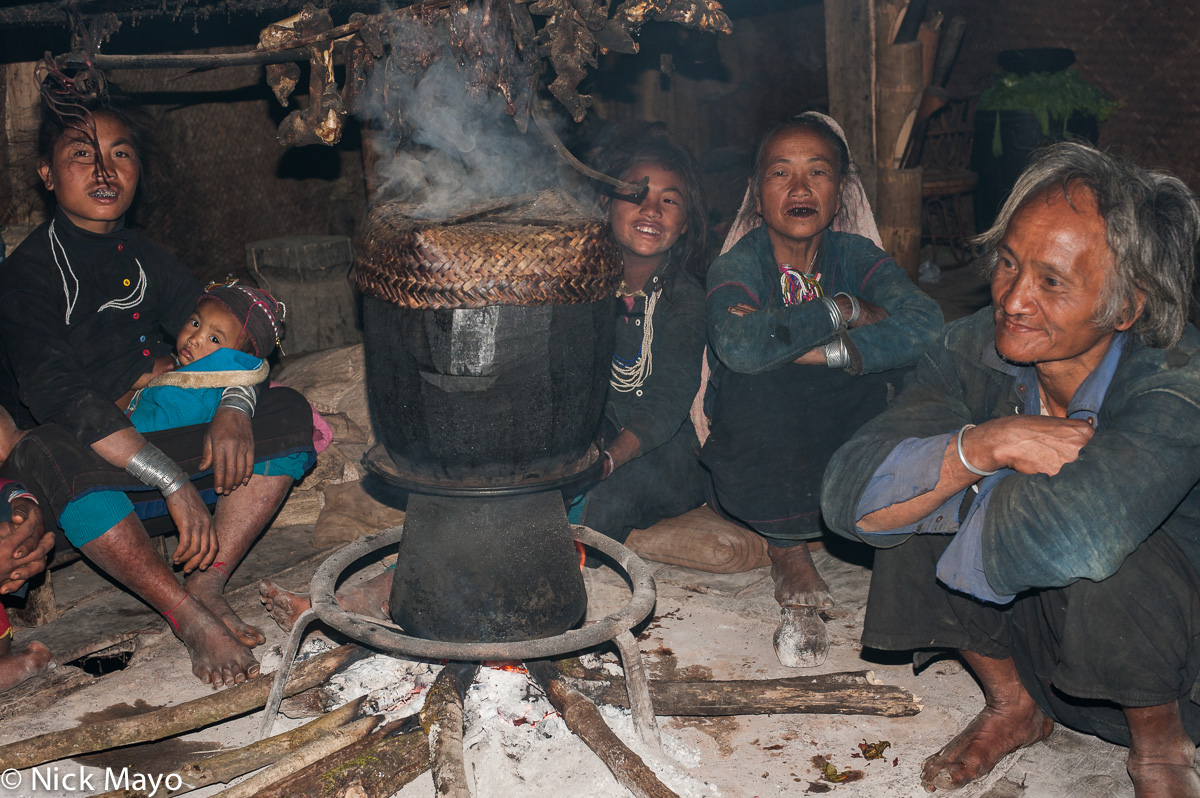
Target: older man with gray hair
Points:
(1033, 490)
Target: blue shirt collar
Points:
(1085, 404)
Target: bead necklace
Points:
(799, 287)
(629, 375)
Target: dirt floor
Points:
(704, 626)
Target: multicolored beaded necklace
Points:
(799, 286)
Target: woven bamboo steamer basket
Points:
(501, 260)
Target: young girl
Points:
(223, 344)
(651, 467)
(812, 324)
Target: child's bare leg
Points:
(16, 668)
(368, 598)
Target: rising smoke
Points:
(446, 142)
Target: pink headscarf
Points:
(853, 217)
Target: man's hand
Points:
(24, 544)
(868, 313)
(1026, 444)
(198, 543)
(229, 449)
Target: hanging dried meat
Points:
(577, 30)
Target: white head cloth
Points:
(854, 216)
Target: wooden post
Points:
(898, 87)
(19, 101)
(850, 65)
(898, 213)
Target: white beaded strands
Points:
(629, 375)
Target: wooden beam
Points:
(850, 64)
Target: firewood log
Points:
(315, 751)
(226, 766)
(169, 721)
(583, 718)
(376, 766)
(850, 693)
(442, 719)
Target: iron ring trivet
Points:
(386, 636)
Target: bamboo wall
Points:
(217, 178)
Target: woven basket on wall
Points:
(425, 266)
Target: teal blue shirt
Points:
(778, 334)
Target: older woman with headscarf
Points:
(813, 326)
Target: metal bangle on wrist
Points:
(836, 354)
(855, 308)
(154, 469)
(835, 315)
(962, 457)
(239, 397)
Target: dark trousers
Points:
(663, 483)
(56, 468)
(1082, 651)
(774, 433)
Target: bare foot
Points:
(797, 583)
(209, 588)
(16, 668)
(801, 640)
(218, 657)
(995, 733)
(1161, 755)
(1164, 781)
(284, 606)
(369, 598)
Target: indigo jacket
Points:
(82, 316)
(1138, 474)
(777, 334)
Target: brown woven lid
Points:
(415, 264)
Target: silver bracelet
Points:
(836, 354)
(239, 397)
(153, 468)
(835, 315)
(962, 458)
(854, 307)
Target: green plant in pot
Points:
(1050, 96)
(1035, 100)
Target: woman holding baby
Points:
(88, 311)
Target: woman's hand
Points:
(198, 544)
(229, 450)
(813, 357)
(868, 313)
(741, 309)
(24, 544)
